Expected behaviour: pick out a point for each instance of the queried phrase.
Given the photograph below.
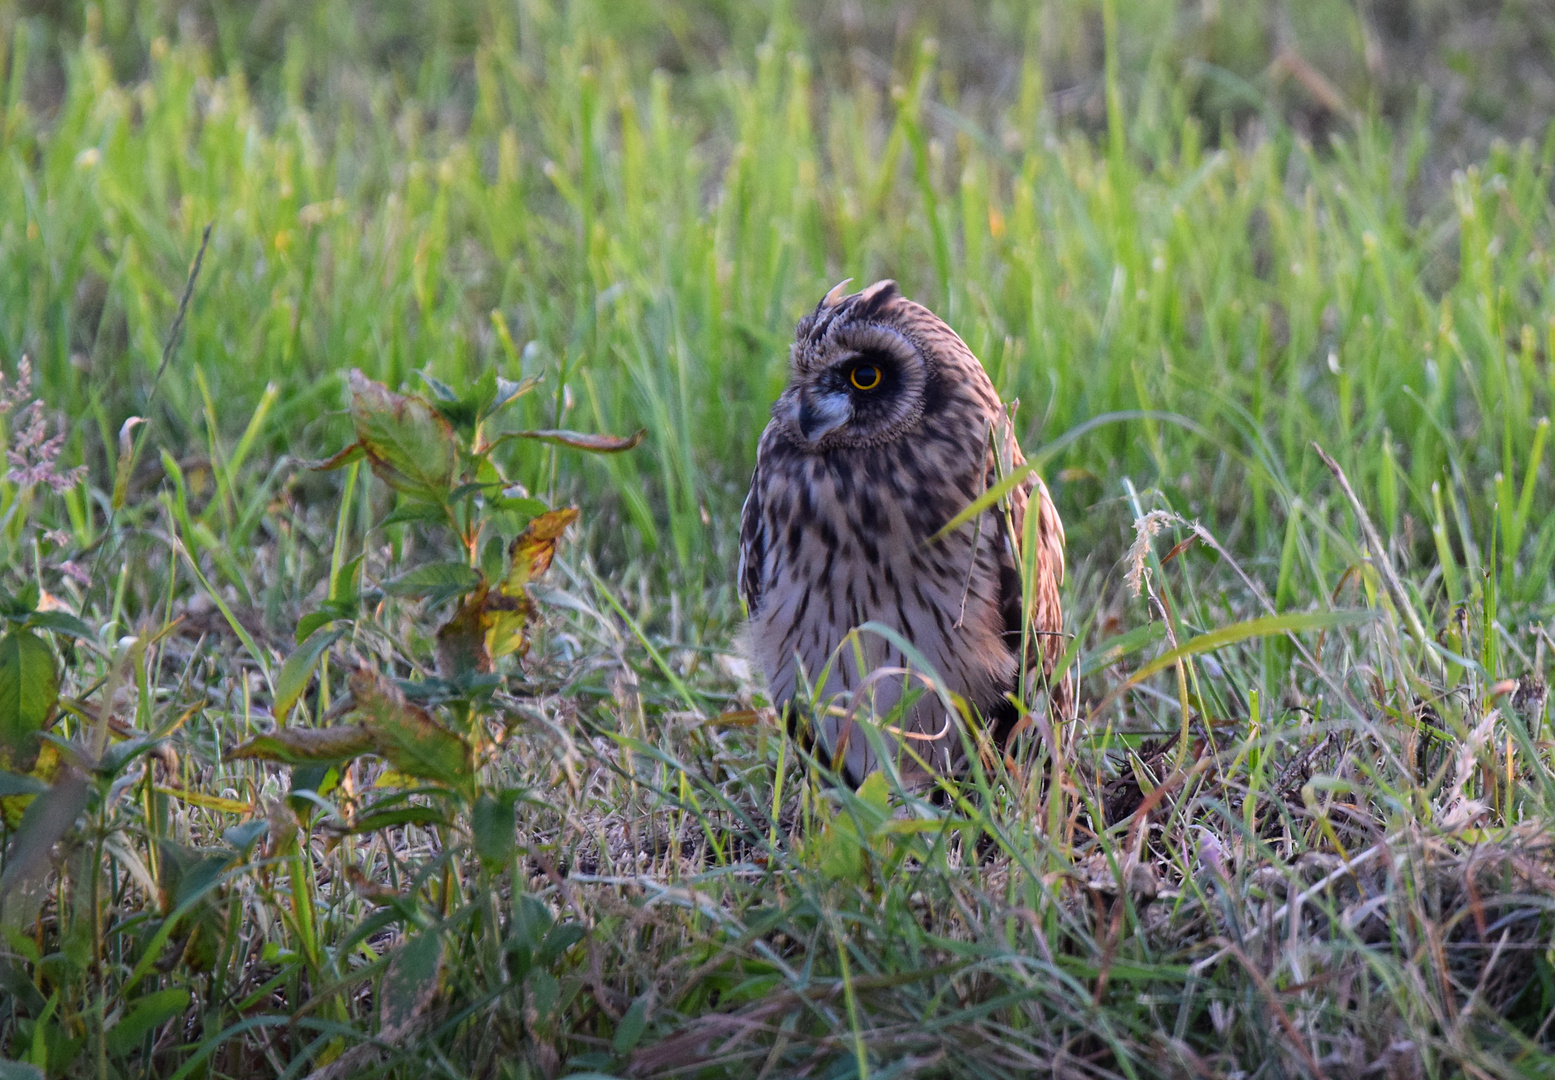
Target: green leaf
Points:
(344, 585)
(390, 819)
(243, 836)
(844, 845)
(61, 622)
(309, 623)
(532, 920)
(474, 487)
(558, 941)
(508, 391)
(440, 390)
(15, 981)
(544, 993)
(410, 447)
(296, 746)
(12, 784)
(118, 755)
(493, 557)
(320, 778)
(25, 602)
(189, 872)
(517, 506)
(492, 829)
(48, 818)
(29, 689)
(193, 892)
(488, 393)
(413, 512)
(629, 1031)
(875, 793)
(298, 671)
(410, 982)
(436, 582)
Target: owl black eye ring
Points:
(864, 377)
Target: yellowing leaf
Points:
(507, 615)
(408, 738)
(461, 641)
(49, 817)
(507, 629)
(741, 718)
(845, 846)
(409, 984)
(208, 802)
(301, 746)
(492, 624)
(532, 550)
(581, 440)
(44, 770)
(339, 459)
(410, 447)
(29, 689)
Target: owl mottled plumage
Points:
(887, 430)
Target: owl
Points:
(888, 429)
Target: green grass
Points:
(1188, 256)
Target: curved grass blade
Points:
(1011, 480)
(1265, 626)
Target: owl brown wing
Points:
(1047, 616)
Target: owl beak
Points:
(820, 414)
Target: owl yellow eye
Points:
(865, 377)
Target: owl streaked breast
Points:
(890, 427)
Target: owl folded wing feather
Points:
(1046, 613)
(752, 546)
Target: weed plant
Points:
(305, 776)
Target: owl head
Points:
(867, 366)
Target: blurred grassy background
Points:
(1281, 222)
(1192, 238)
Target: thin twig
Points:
(170, 346)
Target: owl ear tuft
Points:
(876, 296)
(836, 295)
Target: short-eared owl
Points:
(889, 427)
